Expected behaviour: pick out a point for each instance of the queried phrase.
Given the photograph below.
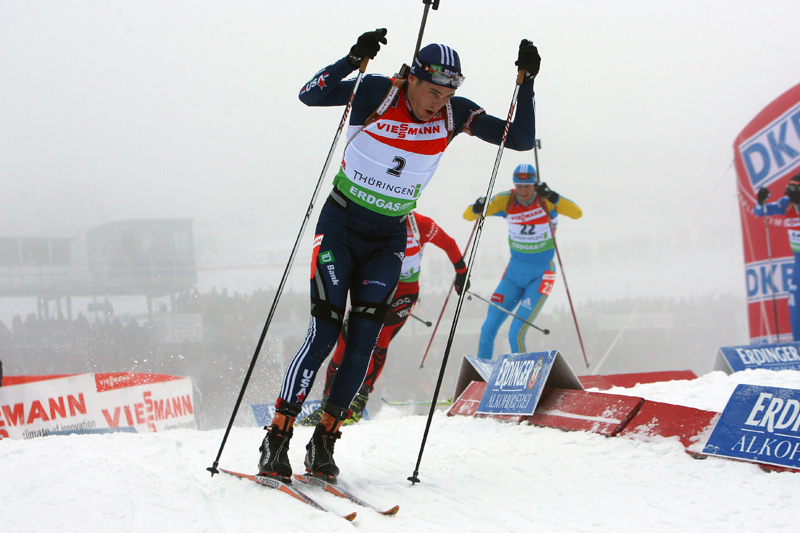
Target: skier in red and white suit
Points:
(426, 231)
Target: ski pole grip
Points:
(520, 76)
(363, 66)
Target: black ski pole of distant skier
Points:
(361, 69)
(509, 313)
(558, 256)
(447, 299)
(772, 281)
(520, 76)
(426, 322)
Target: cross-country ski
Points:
(341, 492)
(280, 486)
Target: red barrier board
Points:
(596, 412)
(610, 415)
(629, 380)
(467, 404)
(469, 400)
(570, 410)
(656, 419)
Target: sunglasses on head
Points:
(440, 78)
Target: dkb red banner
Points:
(767, 154)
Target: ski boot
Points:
(357, 407)
(313, 418)
(319, 451)
(274, 461)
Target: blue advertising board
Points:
(782, 356)
(759, 424)
(516, 383)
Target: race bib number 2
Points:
(548, 280)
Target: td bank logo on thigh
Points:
(326, 258)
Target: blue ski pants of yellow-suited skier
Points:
(525, 285)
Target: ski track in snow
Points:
(476, 475)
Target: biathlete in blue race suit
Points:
(397, 135)
(788, 207)
(530, 273)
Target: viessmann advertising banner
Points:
(37, 406)
(767, 154)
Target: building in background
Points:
(146, 257)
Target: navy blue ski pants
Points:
(356, 252)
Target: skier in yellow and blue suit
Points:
(530, 273)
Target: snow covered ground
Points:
(476, 475)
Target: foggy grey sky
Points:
(115, 110)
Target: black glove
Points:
(545, 192)
(763, 194)
(528, 59)
(477, 207)
(461, 283)
(367, 46)
(461, 276)
(793, 191)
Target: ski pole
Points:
(558, 257)
(405, 69)
(509, 313)
(444, 306)
(428, 5)
(361, 69)
(426, 322)
(772, 281)
(520, 77)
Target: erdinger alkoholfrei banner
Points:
(767, 154)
